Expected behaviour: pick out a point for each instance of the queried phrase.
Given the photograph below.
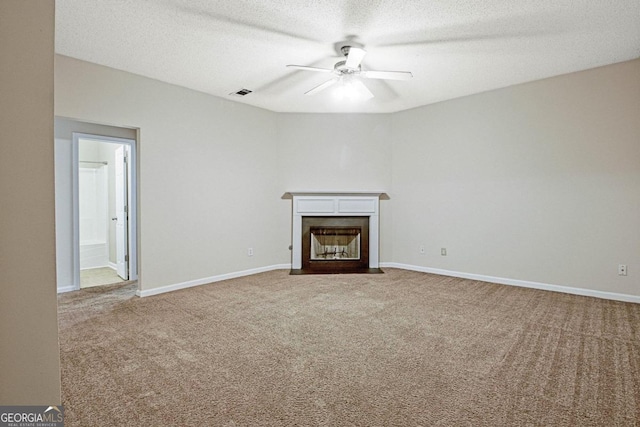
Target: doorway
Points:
(104, 207)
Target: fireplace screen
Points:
(335, 244)
(340, 243)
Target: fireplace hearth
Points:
(335, 233)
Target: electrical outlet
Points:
(250, 252)
(622, 270)
(443, 251)
(421, 249)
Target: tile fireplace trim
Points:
(334, 203)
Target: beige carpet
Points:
(395, 349)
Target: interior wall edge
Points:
(29, 348)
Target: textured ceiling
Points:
(453, 47)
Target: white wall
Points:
(95, 151)
(108, 152)
(207, 172)
(537, 182)
(95, 182)
(92, 200)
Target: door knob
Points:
(114, 218)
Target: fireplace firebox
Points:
(335, 244)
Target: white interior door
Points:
(122, 245)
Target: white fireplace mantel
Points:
(331, 203)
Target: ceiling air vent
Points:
(241, 92)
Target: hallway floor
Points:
(98, 276)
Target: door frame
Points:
(132, 200)
(121, 172)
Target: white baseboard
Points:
(515, 282)
(471, 276)
(64, 289)
(112, 266)
(212, 279)
(93, 267)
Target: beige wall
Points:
(207, 172)
(212, 171)
(29, 353)
(537, 182)
(334, 151)
(337, 152)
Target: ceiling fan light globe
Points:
(350, 90)
(348, 73)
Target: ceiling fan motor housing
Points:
(347, 70)
(342, 69)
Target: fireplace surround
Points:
(335, 232)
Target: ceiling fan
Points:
(347, 72)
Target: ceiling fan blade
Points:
(304, 68)
(322, 86)
(364, 92)
(387, 75)
(354, 58)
